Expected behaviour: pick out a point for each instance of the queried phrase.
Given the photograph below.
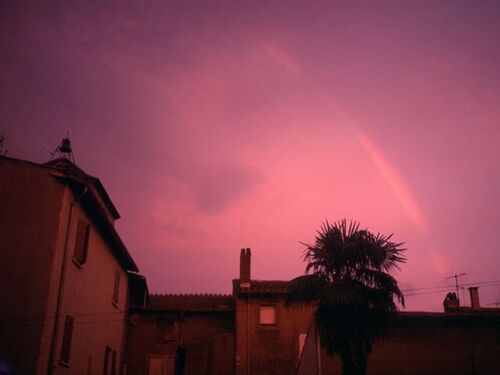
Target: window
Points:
(109, 361)
(113, 362)
(66, 340)
(116, 288)
(302, 341)
(81, 242)
(268, 315)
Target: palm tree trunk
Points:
(352, 365)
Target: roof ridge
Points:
(189, 295)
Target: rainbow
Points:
(401, 191)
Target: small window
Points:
(109, 361)
(81, 242)
(66, 340)
(268, 315)
(116, 289)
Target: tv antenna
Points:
(64, 150)
(456, 276)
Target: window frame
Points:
(262, 308)
(67, 337)
(116, 289)
(110, 361)
(301, 342)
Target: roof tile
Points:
(191, 302)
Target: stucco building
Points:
(461, 343)
(248, 332)
(252, 332)
(182, 334)
(63, 272)
(269, 336)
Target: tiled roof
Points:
(470, 310)
(262, 287)
(191, 302)
(71, 170)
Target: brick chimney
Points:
(474, 298)
(245, 256)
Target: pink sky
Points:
(220, 125)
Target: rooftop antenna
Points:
(64, 150)
(496, 303)
(456, 276)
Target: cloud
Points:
(218, 187)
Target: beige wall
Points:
(268, 349)
(30, 202)
(87, 296)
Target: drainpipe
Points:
(62, 277)
(318, 352)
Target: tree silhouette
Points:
(348, 275)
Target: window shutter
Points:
(106, 368)
(82, 241)
(116, 287)
(66, 341)
(113, 362)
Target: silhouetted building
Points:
(64, 272)
(182, 334)
(253, 333)
(269, 336)
(463, 340)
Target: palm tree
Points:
(348, 275)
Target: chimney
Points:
(245, 268)
(474, 298)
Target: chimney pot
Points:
(245, 257)
(474, 298)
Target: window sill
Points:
(268, 327)
(115, 304)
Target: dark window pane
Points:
(116, 287)
(82, 242)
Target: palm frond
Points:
(305, 289)
(348, 272)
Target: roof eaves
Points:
(93, 207)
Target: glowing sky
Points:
(220, 125)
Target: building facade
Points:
(462, 340)
(182, 334)
(269, 335)
(63, 272)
